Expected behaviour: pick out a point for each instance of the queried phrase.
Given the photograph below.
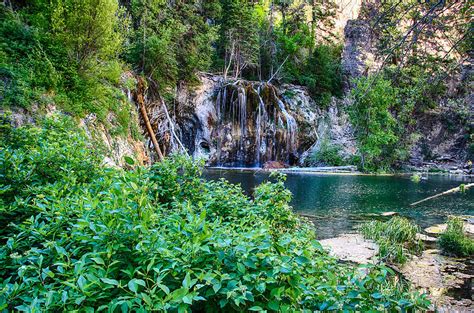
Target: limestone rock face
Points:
(358, 56)
(248, 123)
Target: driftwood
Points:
(141, 104)
(453, 190)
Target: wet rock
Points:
(274, 165)
(436, 229)
(441, 277)
(352, 248)
(389, 213)
(440, 228)
(425, 238)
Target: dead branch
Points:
(453, 190)
(141, 104)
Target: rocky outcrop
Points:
(246, 123)
(359, 54)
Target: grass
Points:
(396, 238)
(454, 241)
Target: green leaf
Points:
(241, 267)
(129, 160)
(187, 281)
(164, 288)
(301, 260)
(274, 305)
(256, 308)
(98, 260)
(132, 285)
(81, 281)
(216, 287)
(110, 281)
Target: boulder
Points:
(352, 248)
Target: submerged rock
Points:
(352, 248)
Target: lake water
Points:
(339, 203)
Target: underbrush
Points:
(396, 238)
(161, 239)
(454, 241)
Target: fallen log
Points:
(453, 190)
(141, 104)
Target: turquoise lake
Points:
(339, 203)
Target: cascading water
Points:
(253, 125)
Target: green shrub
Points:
(415, 177)
(454, 241)
(164, 239)
(56, 53)
(396, 238)
(33, 159)
(327, 154)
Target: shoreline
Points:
(333, 170)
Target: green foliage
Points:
(377, 130)
(416, 178)
(66, 53)
(163, 239)
(396, 238)
(238, 42)
(454, 241)
(35, 160)
(327, 154)
(171, 41)
(322, 74)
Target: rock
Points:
(352, 248)
(244, 123)
(358, 56)
(436, 229)
(274, 165)
(438, 274)
(389, 214)
(440, 228)
(469, 228)
(425, 238)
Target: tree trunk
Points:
(141, 104)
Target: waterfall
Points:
(254, 125)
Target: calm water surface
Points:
(338, 203)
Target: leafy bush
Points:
(327, 154)
(35, 161)
(322, 73)
(163, 239)
(396, 238)
(454, 241)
